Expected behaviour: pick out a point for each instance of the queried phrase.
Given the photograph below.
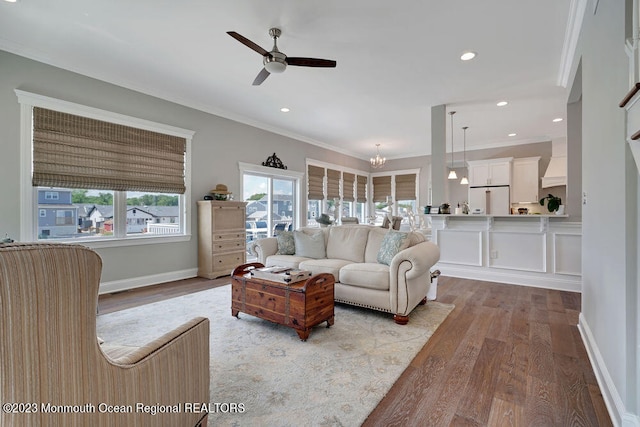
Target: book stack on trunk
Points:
(281, 274)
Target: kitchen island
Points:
(532, 250)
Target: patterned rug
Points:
(335, 378)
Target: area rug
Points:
(335, 378)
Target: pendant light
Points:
(464, 180)
(452, 173)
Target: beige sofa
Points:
(351, 254)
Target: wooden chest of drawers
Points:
(221, 237)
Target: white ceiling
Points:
(395, 60)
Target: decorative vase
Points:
(560, 210)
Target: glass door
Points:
(271, 205)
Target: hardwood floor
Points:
(506, 356)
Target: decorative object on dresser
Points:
(221, 237)
(221, 192)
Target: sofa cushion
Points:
(347, 243)
(286, 243)
(393, 242)
(374, 241)
(309, 245)
(291, 261)
(331, 266)
(366, 275)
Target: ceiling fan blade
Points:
(262, 75)
(310, 62)
(245, 41)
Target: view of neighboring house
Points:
(257, 215)
(59, 217)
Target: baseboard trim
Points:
(612, 400)
(141, 281)
(513, 277)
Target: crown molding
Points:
(577, 10)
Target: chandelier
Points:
(377, 161)
(452, 172)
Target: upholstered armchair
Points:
(53, 371)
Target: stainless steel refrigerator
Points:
(490, 200)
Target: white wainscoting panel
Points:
(518, 251)
(460, 247)
(567, 254)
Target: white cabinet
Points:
(490, 172)
(525, 180)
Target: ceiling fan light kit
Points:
(276, 62)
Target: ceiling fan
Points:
(276, 61)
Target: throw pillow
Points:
(286, 243)
(310, 245)
(393, 242)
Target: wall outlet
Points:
(584, 198)
(493, 254)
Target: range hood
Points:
(556, 173)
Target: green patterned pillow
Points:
(286, 243)
(393, 242)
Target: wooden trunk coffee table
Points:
(301, 305)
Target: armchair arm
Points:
(125, 356)
(166, 372)
(410, 276)
(265, 247)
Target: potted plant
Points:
(553, 202)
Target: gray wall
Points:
(218, 145)
(610, 215)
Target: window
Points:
(396, 193)
(273, 200)
(64, 217)
(335, 191)
(128, 179)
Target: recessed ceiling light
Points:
(512, 134)
(466, 56)
(558, 119)
(10, 1)
(285, 110)
(502, 103)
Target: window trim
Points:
(29, 194)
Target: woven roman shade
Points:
(348, 179)
(381, 188)
(333, 184)
(406, 187)
(315, 176)
(71, 151)
(361, 189)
